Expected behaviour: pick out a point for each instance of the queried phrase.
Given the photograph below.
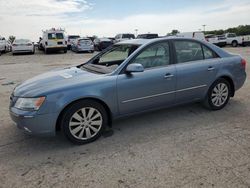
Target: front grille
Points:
(60, 43)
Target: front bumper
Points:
(33, 123)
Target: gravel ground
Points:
(186, 146)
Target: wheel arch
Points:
(230, 80)
(58, 121)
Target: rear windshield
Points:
(55, 36)
(147, 36)
(85, 41)
(128, 36)
(73, 37)
(22, 41)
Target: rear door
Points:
(196, 67)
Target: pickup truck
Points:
(218, 40)
(233, 40)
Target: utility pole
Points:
(136, 32)
(204, 28)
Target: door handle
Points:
(167, 76)
(211, 68)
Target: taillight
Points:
(243, 63)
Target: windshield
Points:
(111, 59)
(55, 36)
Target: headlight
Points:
(29, 103)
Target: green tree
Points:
(173, 32)
(12, 38)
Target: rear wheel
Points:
(84, 121)
(65, 51)
(218, 95)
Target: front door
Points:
(155, 87)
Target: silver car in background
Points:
(131, 77)
(82, 45)
(23, 46)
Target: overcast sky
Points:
(27, 18)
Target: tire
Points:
(92, 51)
(234, 43)
(65, 51)
(83, 130)
(218, 95)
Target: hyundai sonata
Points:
(128, 78)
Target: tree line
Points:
(240, 30)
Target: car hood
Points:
(53, 81)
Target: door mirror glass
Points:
(135, 67)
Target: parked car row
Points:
(56, 40)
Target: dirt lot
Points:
(185, 146)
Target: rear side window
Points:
(187, 51)
(208, 54)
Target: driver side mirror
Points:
(135, 67)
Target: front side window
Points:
(187, 51)
(156, 55)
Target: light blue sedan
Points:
(130, 77)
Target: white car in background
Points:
(82, 45)
(194, 35)
(218, 40)
(123, 37)
(23, 46)
(3, 45)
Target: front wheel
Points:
(218, 95)
(84, 121)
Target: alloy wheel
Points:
(85, 123)
(220, 94)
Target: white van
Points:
(54, 40)
(194, 35)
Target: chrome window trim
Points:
(161, 94)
